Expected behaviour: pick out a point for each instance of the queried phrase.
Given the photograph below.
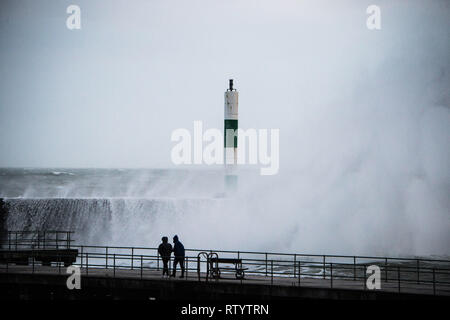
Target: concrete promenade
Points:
(42, 282)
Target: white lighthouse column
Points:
(230, 138)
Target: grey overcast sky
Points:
(110, 94)
(364, 115)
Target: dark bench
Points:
(45, 256)
(214, 268)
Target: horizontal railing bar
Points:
(26, 241)
(304, 263)
(37, 232)
(337, 266)
(275, 253)
(404, 269)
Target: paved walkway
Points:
(391, 286)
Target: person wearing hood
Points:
(165, 250)
(178, 251)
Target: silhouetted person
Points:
(165, 250)
(178, 251)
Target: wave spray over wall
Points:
(188, 203)
(40, 199)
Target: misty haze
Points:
(86, 118)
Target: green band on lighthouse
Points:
(230, 136)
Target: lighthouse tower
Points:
(230, 137)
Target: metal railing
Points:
(429, 276)
(49, 239)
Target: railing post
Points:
(87, 263)
(81, 256)
(132, 257)
(324, 270)
(142, 263)
(114, 271)
(106, 263)
(299, 273)
(59, 262)
(354, 268)
(271, 272)
(295, 263)
(187, 267)
(207, 268)
(418, 271)
(198, 266)
(386, 269)
(364, 276)
(157, 260)
(434, 282)
(398, 275)
(331, 274)
(266, 264)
